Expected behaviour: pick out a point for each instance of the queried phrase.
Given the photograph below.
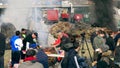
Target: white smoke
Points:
(17, 12)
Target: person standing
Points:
(2, 49)
(16, 44)
(99, 43)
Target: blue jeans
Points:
(2, 62)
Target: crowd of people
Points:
(106, 48)
(26, 53)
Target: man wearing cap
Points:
(29, 42)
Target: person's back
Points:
(68, 60)
(72, 59)
(42, 58)
(16, 44)
(12, 40)
(29, 64)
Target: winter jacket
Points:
(2, 44)
(42, 58)
(99, 42)
(111, 43)
(28, 39)
(16, 43)
(116, 38)
(69, 61)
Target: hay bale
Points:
(61, 26)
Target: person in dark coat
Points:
(69, 59)
(117, 37)
(2, 49)
(93, 35)
(31, 40)
(110, 41)
(117, 53)
(42, 58)
(71, 51)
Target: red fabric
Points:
(66, 35)
(52, 15)
(57, 41)
(65, 15)
(59, 59)
(29, 58)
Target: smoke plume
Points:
(17, 12)
(104, 14)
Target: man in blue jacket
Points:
(16, 44)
